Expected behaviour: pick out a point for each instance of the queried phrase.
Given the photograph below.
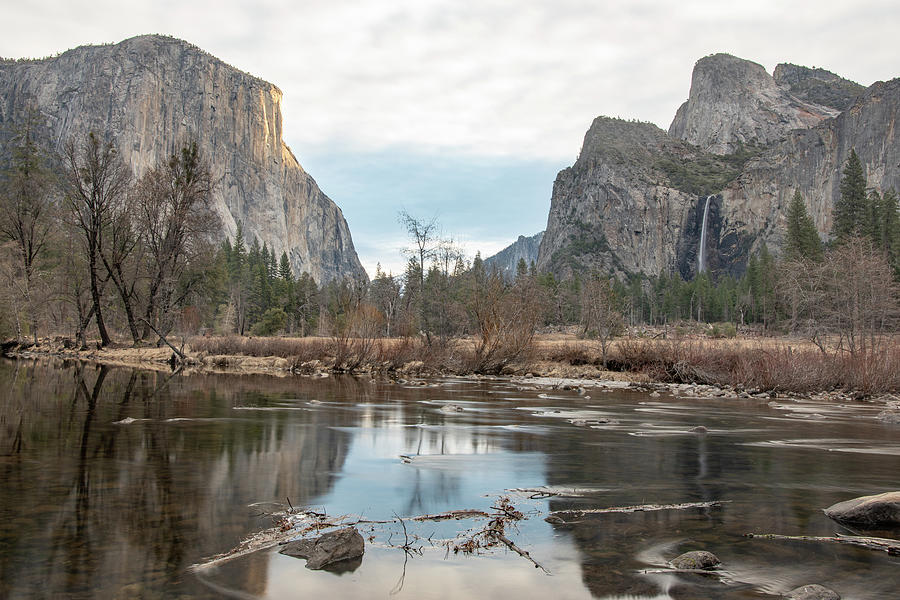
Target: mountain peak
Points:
(734, 103)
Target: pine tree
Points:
(802, 240)
(284, 268)
(850, 211)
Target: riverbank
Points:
(741, 366)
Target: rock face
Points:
(634, 201)
(735, 103)
(817, 86)
(811, 160)
(150, 94)
(327, 549)
(879, 510)
(506, 261)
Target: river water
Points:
(94, 507)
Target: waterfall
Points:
(701, 254)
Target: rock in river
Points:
(874, 511)
(327, 549)
(812, 592)
(697, 559)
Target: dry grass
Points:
(767, 364)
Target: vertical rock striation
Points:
(150, 94)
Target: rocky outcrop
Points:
(634, 200)
(507, 260)
(811, 161)
(817, 86)
(149, 94)
(735, 103)
(329, 549)
(879, 510)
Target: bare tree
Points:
(122, 260)
(98, 181)
(424, 235)
(601, 318)
(851, 295)
(25, 211)
(176, 219)
(506, 318)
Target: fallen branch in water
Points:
(639, 508)
(495, 533)
(888, 545)
(466, 513)
(509, 544)
(677, 571)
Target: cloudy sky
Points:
(465, 111)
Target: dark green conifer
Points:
(851, 209)
(802, 240)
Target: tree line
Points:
(90, 248)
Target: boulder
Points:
(812, 592)
(697, 559)
(873, 511)
(327, 549)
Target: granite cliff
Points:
(507, 260)
(149, 94)
(635, 199)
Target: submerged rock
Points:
(696, 559)
(878, 510)
(812, 592)
(327, 549)
(889, 416)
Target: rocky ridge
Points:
(634, 200)
(151, 93)
(507, 260)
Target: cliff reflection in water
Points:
(91, 507)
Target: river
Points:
(113, 482)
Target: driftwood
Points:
(524, 554)
(639, 508)
(888, 545)
(466, 513)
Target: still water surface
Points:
(93, 508)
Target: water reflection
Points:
(114, 481)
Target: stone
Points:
(879, 510)
(327, 549)
(151, 93)
(813, 591)
(696, 559)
